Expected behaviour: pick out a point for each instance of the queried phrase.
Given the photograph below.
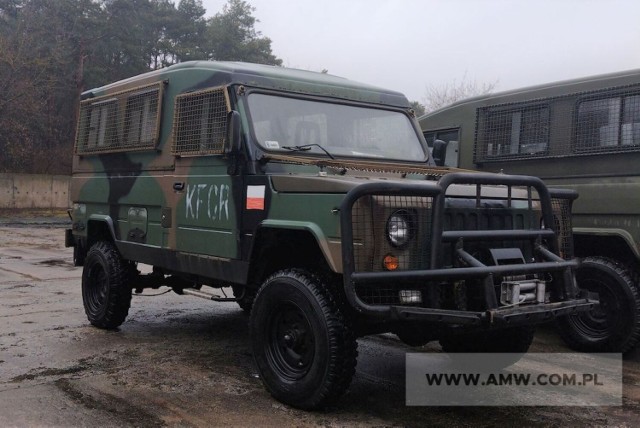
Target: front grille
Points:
(489, 215)
(370, 230)
(483, 220)
(370, 235)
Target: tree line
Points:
(51, 51)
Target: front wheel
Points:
(106, 292)
(303, 345)
(614, 325)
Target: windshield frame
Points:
(298, 151)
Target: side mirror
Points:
(439, 152)
(234, 138)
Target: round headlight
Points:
(398, 229)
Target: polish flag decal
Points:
(255, 197)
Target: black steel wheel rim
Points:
(97, 288)
(595, 323)
(290, 341)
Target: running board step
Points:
(208, 296)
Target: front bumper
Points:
(500, 317)
(564, 297)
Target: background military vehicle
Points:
(315, 200)
(582, 134)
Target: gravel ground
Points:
(183, 361)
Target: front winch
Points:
(526, 291)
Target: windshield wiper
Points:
(307, 147)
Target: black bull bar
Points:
(566, 300)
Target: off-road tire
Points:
(106, 292)
(304, 347)
(615, 325)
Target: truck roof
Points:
(552, 89)
(214, 73)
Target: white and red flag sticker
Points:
(255, 197)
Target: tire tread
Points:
(343, 346)
(630, 277)
(119, 300)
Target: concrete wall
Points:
(34, 191)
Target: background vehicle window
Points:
(598, 123)
(608, 123)
(449, 136)
(631, 121)
(516, 132)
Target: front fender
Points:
(330, 247)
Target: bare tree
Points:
(437, 96)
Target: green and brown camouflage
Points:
(581, 134)
(233, 174)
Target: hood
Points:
(303, 183)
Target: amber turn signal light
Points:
(390, 262)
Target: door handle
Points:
(178, 186)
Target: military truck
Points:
(582, 134)
(314, 199)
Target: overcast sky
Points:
(407, 45)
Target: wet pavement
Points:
(183, 361)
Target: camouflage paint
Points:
(199, 214)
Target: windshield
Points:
(285, 124)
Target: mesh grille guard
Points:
(551, 261)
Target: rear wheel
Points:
(614, 325)
(303, 345)
(106, 292)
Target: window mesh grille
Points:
(562, 216)
(603, 121)
(513, 133)
(123, 121)
(200, 123)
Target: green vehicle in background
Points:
(315, 200)
(582, 134)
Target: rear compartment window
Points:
(123, 121)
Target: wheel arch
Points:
(100, 228)
(283, 245)
(616, 244)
